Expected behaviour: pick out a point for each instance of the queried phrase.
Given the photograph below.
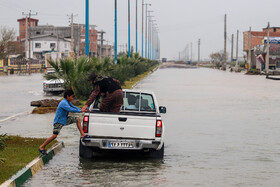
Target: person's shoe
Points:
(86, 136)
(43, 152)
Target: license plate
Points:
(121, 145)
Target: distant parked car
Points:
(53, 86)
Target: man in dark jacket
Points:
(113, 94)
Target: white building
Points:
(42, 44)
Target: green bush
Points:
(75, 73)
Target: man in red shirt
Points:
(111, 90)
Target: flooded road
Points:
(222, 129)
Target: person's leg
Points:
(106, 102)
(56, 130)
(49, 140)
(78, 122)
(117, 98)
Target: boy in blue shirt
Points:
(62, 119)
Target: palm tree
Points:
(74, 73)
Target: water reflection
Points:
(121, 172)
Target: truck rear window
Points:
(138, 102)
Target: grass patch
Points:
(17, 154)
(43, 110)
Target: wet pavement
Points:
(222, 129)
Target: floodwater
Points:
(222, 129)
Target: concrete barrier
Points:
(32, 168)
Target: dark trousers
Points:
(112, 102)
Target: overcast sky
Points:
(180, 21)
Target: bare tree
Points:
(217, 57)
(6, 35)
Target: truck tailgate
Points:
(124, 126)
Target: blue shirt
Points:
(63, 110)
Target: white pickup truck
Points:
(138, 128)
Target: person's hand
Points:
(84, 109)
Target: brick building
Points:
(258, 46)
(23, 23)
(93, 33)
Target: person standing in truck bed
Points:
(113, 94)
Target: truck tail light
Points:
(158, 128)
(85, 124)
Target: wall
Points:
(62, 32)
(60, 46)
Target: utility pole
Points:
(188, 53)
(267, 50)
(249, 55)
(72, 31)
(29, 39)
(225, 42)
(101, 43)
(198, 61)
(191, 52)
(57, 44)
(232, 43)
(236, 62)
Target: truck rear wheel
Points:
(157, 153)
(85, 152)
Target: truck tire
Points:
(157, 153)
(85, 152)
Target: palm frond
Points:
(51, 76)
(54, 65)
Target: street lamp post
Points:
(116, 34)
(146, 35)
(128, 28)
(87, 29)
(136, 43)
(149, 35)
(152, 39)
(142, 28)
(154, 47)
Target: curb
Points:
(32, 168)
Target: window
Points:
(52, 45)
(38, 32)
(37, 45)
(274, 29)
(139, 102)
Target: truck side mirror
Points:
(162, 109)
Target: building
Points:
(23, 26)
(47, 43)
(38, 33)
(105, 51)
(258, 47)
(93, 34)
